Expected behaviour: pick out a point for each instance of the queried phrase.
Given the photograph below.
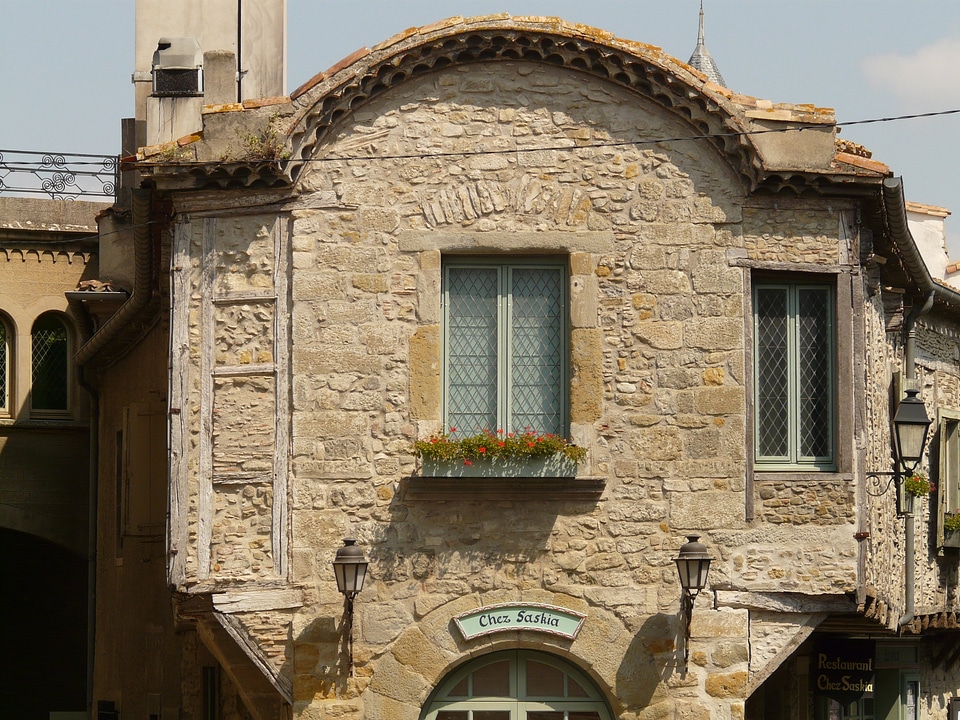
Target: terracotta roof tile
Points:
(394, 39)
(151, 150)
(441, 24)
(862, 162)
(484, 19)
(348, 61)
(265, 102)
(191, 138)
(308, 85)
(932, 210)
(227, 107)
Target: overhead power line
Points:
(504, 151)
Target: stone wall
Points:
(575, 169)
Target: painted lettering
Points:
(826, 663)
(493, 620)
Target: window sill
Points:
(498, 487)
(36, 424)
(803, 475)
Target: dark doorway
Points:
(43, 634)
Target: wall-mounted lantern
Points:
(350, 569)
(910, 426)
(693, 565)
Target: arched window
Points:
(516, 685)
(6, 357)
(49, 390)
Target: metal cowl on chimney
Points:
(177, 68)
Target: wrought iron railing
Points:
(61, 176)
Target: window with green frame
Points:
(795, 376)
(516, 685)
(948, 480)
(505, 346)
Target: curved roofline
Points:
(643, 69)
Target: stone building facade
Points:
(47, 248)
(735, 296)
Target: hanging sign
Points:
(843, 669)
(519, 616)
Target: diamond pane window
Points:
(505, 347)
(795, 378)
(4, 367)
(49, 354)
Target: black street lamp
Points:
(910, 426)
(350, 569)
(693, 565)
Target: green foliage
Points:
(488, 444)
(265, 145)
(918, 485)
(951, 522)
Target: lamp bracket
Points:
(881, 482)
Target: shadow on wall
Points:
(43, 630)
(652, 658)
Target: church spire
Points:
(701, 59)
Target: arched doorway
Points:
(516, 685)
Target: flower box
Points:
(951, 539)
(951, 530)
(550, 466)
(501, 454)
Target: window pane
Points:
(537, 321)
(461, 689)
(773, 405)
(813, 330)
(491, 715)
(472, 349)
(3, 365)
(574, 690)
(544, 680)
(452, 715)
(49, 391)
(492, 680)
(583, 715)
(544, 715)
(951, 451)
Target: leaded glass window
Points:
(505, 346)
(50, 364)
(795, 379)
(4, 368)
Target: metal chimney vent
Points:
(177, 68)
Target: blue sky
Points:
(65, 65)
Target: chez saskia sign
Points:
(519, 616)
(843, 669)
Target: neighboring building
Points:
(500, 223)
(47, 248)
(178, 44)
